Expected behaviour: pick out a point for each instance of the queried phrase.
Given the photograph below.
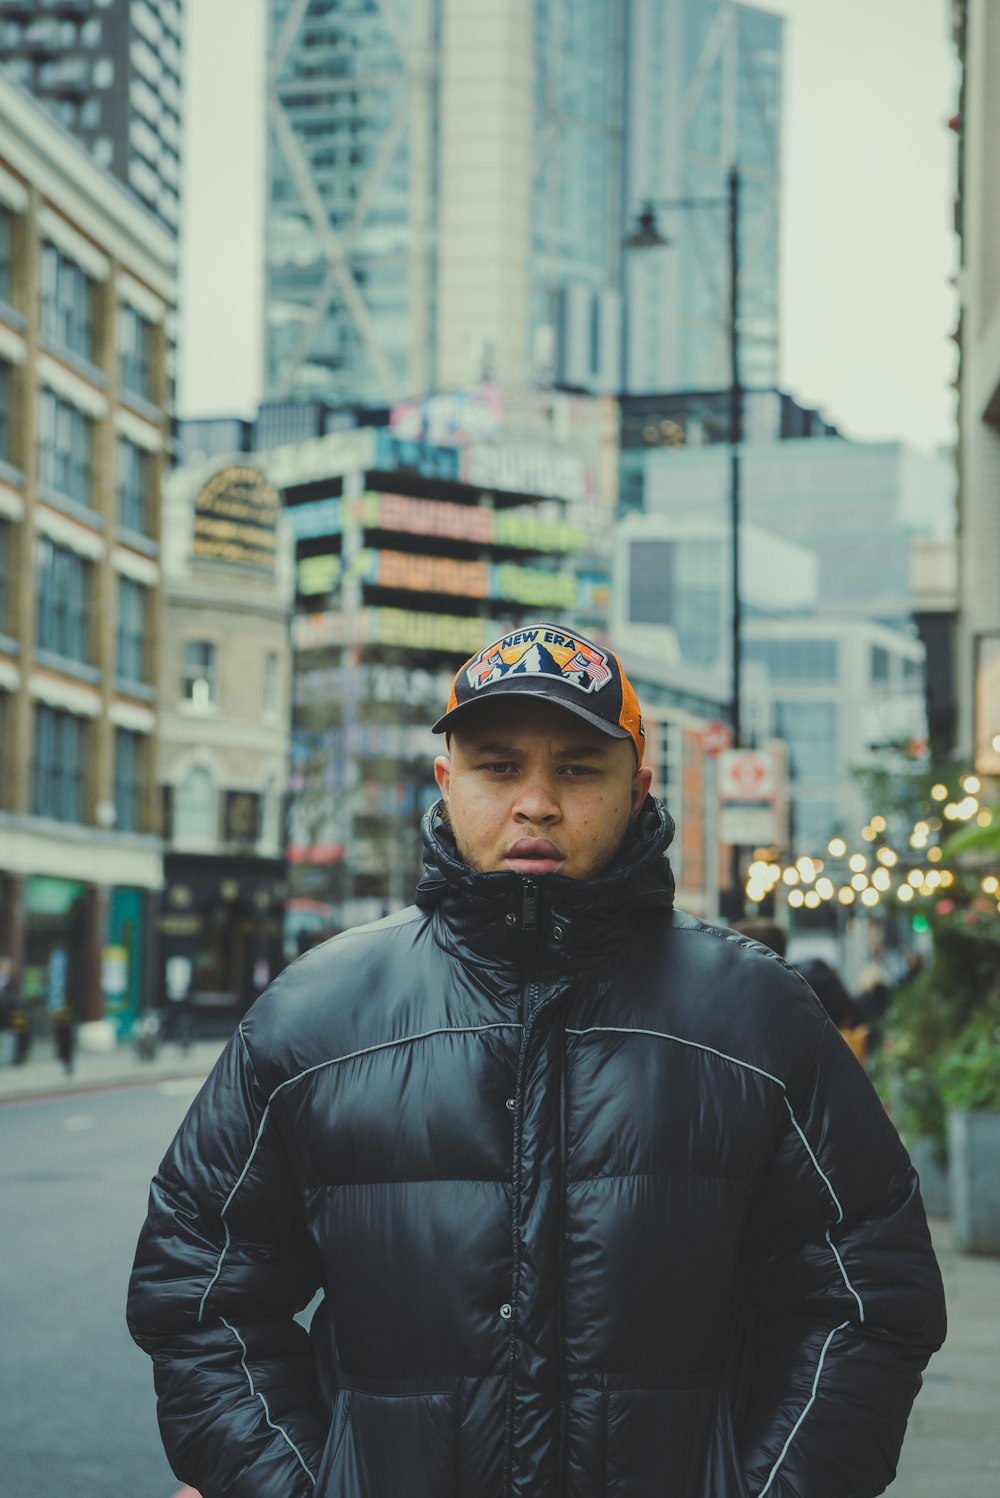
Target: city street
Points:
(78, 1414)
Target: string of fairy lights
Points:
(876, 871)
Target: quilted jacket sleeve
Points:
(223, 1264)
(849, 1296)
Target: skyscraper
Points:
(444, 196)
(703, 93)
(110, 71)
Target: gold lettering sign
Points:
(235, 518)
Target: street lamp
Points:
(646, 235)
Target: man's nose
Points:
(537, 801)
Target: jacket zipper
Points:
(531, 994)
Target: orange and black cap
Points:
(558, 665)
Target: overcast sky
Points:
(867, 249)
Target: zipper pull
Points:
(529, 903)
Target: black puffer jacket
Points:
(602, 1207)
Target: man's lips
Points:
(534, 855)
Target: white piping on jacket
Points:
(255, 1393)
(809, 1404)
(333, 1061)
(695, 1045)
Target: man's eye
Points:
(578, 772)
(499, 767)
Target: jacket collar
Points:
(550, 923)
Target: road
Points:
(77, 1411)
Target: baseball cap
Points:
(559, 665)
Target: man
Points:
(600, 1204)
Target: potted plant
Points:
(970, 1092)
(918, 1030)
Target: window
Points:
(128, 761)
(271, 683)
(6, 251)
(61, 585)
(814, 822)
(796, 660)
(64, 442)
(131, 630)
(133, 487)
(194, 806)
(5, 400)
(57, 771)
(199, 683)
(879, 665)
(67, 302)
(810, 731)
(4, 573)
(134, 340)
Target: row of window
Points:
(193, 809)
(65, 456)
(67, 302)
(59, 768)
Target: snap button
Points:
(505, 1311)
(557, 933)
(510, 918)
(510, 1105)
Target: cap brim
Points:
(540, 694)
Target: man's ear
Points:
(641, 782)
(442, 774)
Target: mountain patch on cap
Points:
(559, 665)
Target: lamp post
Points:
(646, 235)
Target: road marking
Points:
(181, 1087)
(77, 1122)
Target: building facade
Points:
(111, 72)
(444, 197)
(86, 283)
(416, 544)
(225, 675)
(669, 419)
(704, 92)
(857, 505)
(846, 694)
(977, 219)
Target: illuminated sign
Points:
(236, 517)
(531, 586)
(318, 574)
(321, 517)
(417, 457)
(526, 468)
(449, 633)
(431, 517)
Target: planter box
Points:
(974, 1179)
(930, 1162)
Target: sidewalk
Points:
(952, 1447)
(42, 1075)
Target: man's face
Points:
(534, 789)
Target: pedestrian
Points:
(596, 1200)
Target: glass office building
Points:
(444, 196)
(703, 93)
(111, 72)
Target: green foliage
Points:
(974, 839)
(942, 1036)
(970, 1074)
